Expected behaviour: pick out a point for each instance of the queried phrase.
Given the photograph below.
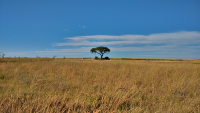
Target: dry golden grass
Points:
(75, 85)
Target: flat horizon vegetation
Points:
(98, 86)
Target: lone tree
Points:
(100, 50)
(2, 54)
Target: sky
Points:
(130, 28)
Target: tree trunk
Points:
(101, 56)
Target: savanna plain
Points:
(99, 86)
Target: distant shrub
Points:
(107, 58)
(54, 56)
(96, 58)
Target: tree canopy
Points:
(100, 50)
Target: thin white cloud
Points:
(23, 53)
(88, 43)
(171, 44)
(161, 38)
(165, 48)
(82, 49)
(81, 26)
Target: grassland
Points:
(95, 86)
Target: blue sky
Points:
(130, 28)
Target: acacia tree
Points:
(3, 55)
(100, 50)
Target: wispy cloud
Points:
(163, 48)
(161, 38)
(179, 44)
(81, 26)
(82, 49)
(23, 53)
